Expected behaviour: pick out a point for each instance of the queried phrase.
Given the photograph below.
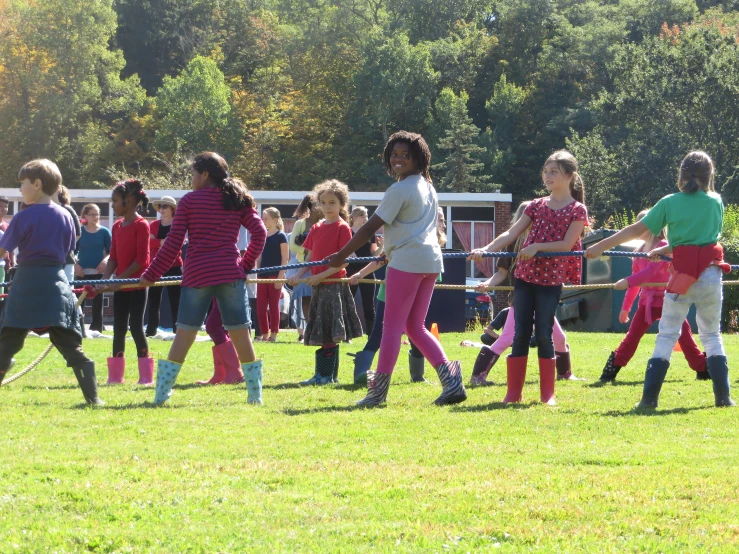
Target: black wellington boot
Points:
(653, 379)
(85, 374)
(718, 367)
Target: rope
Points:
(448, 255)
(43, 355)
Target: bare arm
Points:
(632, 232)
(360, 237)
(504, 239)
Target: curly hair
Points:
(235, 194)
(132, 188)
(338, 189)
(419, 151)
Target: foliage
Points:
(293, 92)
(730, 242)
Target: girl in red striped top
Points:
(129, 257)
(211, 216)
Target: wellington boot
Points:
(718, 367)
(610, 370)
(377, 388)
(335, 365)
(166, 376)
(653, 379)
(324, 367)
(116, 370)
(362, 364)
(146, 371)
(417, 368)
(85, 374)
(450, 375)
(564, 366)
(219, 371)
(232, 365)
(547, 374)
(252, 372)
(516, 372)
(483, 364)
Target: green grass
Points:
(305, 473)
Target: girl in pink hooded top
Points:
(648, 311)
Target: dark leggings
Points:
(536, 306)
(97, 306)
(155, 301)
(368, 302)
(67, 341)
(128, 308)
(375, 338)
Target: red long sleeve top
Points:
(130, 243)
(212, 255)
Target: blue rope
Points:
(366, 260)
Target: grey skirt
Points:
(333, 315)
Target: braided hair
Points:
(418, 149)
(133, 189)
(235, 194)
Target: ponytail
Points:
(696, 173)
(274, 213)
(235, 194)
(577, 188)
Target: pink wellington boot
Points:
(231, 362)
(146, 371)
(547, 376)
(116, 369)
(219, 372)
(516, 369)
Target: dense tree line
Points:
(295, 91)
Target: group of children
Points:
(213, 279)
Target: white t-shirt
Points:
(410, 210)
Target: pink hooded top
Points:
(644, 271)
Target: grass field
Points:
(306, 473)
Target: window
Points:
(468, 235)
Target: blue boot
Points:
(166, 376)
(718, 369)
(362, 364)
(653, 379)
(253, 377)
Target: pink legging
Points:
(407, 300)
(214, 325)
(505, 340)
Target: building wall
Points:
(502, 223)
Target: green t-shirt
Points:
(691, 219)
(381, 290)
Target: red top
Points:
(130, 244)
(548, 225)
(324, 240)
(155, 244)
(689, 261)
(212, 255)
(644, 271)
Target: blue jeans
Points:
(534, 304)
(232, 303)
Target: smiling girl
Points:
(557, 222)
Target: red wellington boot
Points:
(231, 363)
(547, 376)
(219, 372)
(516, 378)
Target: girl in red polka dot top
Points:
(557, 222)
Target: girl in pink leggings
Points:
(408, 212)
(227, 368)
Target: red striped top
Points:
(212, 256)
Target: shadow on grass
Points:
(648, 412)
(494, 406)
(327, 409)
(600, 384)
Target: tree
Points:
(61, 87)
(194, 110)
(460, 169)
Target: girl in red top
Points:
(129, 258)
(557, 223)
(333, 316)
(166, 206)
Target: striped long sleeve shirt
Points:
(212, 255)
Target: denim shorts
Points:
(232, 302)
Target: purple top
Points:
(41, 232)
